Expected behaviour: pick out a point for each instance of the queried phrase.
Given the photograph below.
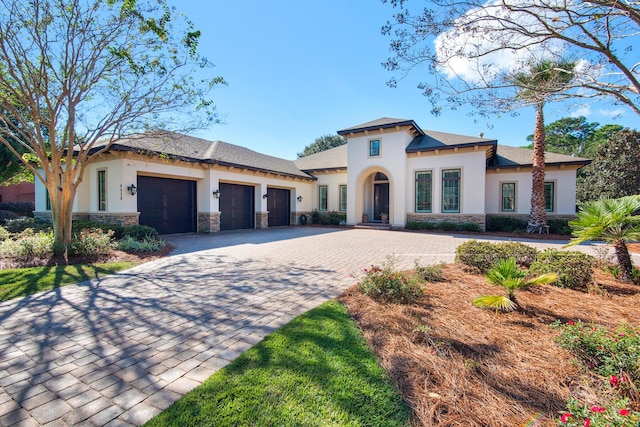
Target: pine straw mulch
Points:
(457, 365)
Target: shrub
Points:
(469, 226)
(315, 217)
(447, 226)
(92, 242)
(615, 413)
(19, 225)
(8, 215)
(559, 226)
(430, 273)
(506, 224)
(420, 225)
(27, 246)
(574, 269)
(20, 208)
(78, 225)
(131, 245)
(4, 233)
(140, 232)
(614, 354)
(484, 255)
(386, 284)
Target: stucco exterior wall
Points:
(565, 190)
(333, 181)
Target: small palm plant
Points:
(613, 220)
(511, 277)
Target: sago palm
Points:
(613, 221)
(512, 278)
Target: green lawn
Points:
(20, 282)
(315, 371)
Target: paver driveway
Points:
(118, 350)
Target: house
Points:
(177, 183)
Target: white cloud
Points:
(612, 113)
(583, 111)
(485, 42)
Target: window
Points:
(322, 198)
(343, 198)
(47, 202)
(451, 190)
(508, 197)
(102, 190)
(423, 191)
(374, 148)
(549, 196)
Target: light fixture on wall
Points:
(299, 199)
(216, 194)
(265, 195)
(132, 189)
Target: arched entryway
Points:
(380, 196)
(374, 195)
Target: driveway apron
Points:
(119, 350)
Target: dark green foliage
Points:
(140, 232)
(574, 269)
(323, 143)
(7, 215)
(559, 226)
(79, 225)
(420, 225)
(485, 255)
(469, 226)
(385, 283)
(21, 224)
(90, 243)
(447, 226)
(328, 218)
(20, 208)
(615, 170)
(315, 217)
(506, 223)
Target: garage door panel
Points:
(237, 206)
(168, 205)
(279, 206)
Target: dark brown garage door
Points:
(236, 206)
(168, 205)
(279, 206)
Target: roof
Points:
(382, 123)
(198, 150)
(332, 159)
(512, 157)
(432, 140)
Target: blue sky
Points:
(297, 70)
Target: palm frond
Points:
(543, 280)
(495, 302)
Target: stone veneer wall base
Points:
(479, 219)
(262, 219)
(208, 222)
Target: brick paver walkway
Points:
(118, 350)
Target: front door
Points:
(380, 200)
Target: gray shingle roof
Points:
(511, 157)
(432, 140)
(334, 158)
(381, 123)
(192, 149)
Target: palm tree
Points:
(542, 81)
(511, 277)
(616, 221)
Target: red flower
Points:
(571, 322)
(598, 409)
(623, 412)
(587, 422)
(565, 417)
(614, 381)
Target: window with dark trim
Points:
(549, 196)
(424, 185)
(343, 198)
(508, 196)
(102, 190)
(47, 200)
(374, 147)
(451, 191)
(322, 198)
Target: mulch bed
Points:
(457, 365)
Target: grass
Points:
(315, 371)
(20, 282)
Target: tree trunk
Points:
(61, 198)
(538, 216)
(624, 260)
